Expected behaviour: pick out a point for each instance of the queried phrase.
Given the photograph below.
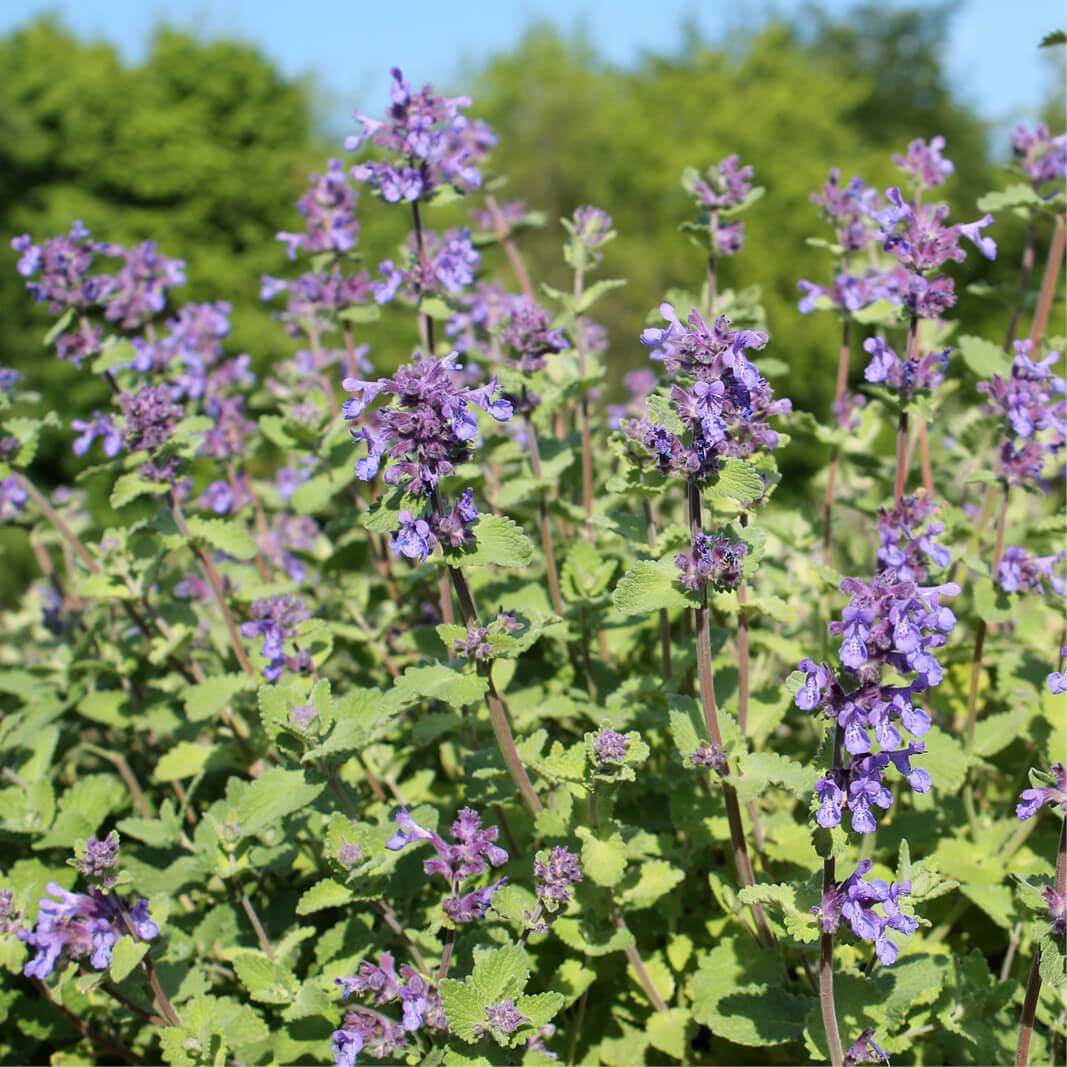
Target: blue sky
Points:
(347, 45)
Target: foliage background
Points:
(205, 146)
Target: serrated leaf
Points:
(225, 535)
(1017, 195)
(360, 313)
(204, 699)
(325, 894)
(591, 295)
(984, 358)
(670, 1032)
(499, 542)
(440, 681)
(267, 981)
(131, 486)
(273, 796)
(125, 956)
(761, 770)
(655, 880)
(603, 860)
(185, 760)
(649, 586)
(738, 481)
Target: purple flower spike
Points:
(1032, 800)
(556, 873)
(924, 164)
(275, 622)
(611, 747)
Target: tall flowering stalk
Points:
(1051, 789)
(589, 230)
(917, 236)
(718, 407)
(849, 208)
(892, 627)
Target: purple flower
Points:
(455, 528)
(610, 747)
(714, 560)
(61, 267)
(724, 412)
(871, 909)
(924, 164)
(1031, 402)
(431, 144)
(865, 1050)
(502, 1020)
(722, 185)
(710, 756)
(101, 426)
(556, 872)
(430, 430)
(79, 925)
(328, 208)
(414, 538)
(9, 380)
(1033, 799)
(139, 290)
(849, 209)
(477, 643)
(1019, 572)
(1043, 158)
(98, 859)
(589, 229)
(150, 418)
(1057, 911)
(917, 236)
(366, 1031)
(529, 333)
(909, 546)
(472, 852)
(904, 376)
(1057, 682)
(275, 621)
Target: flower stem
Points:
(420, 247)
(1025, 270)
(1049, 281)
(981, 629)
(742, 861)
(253, 917)
(843, 354)
(104, 1044)
(1033, 984)
(511, 250)
(664, 616)
(497, 716)
(638, 964)
(542, 519)
(826, 948)
(217, 589)
(902, 456)
(583, 414)
(712, 281)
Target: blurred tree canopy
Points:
(204, 147)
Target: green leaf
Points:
(648, 587)
(671, 1031)
(603, 860)
(499, 542)
(761, 770)
(738, 481)
(591, 295)
(267, 981)
(106, 706)
(119, 354)
(739, 993)
(361, 313)
(185, 760)
(226, 535)
(131, 486)
(125, 956)
(325, 894)
(656, 879)
(1056, 37)
(441, 682)
(204, 699)
(499, 974)
(996, 732)
(1018, 195)
(273, 796)
(991, 602)
(983, 357)
(585, 573)
(59, 326)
